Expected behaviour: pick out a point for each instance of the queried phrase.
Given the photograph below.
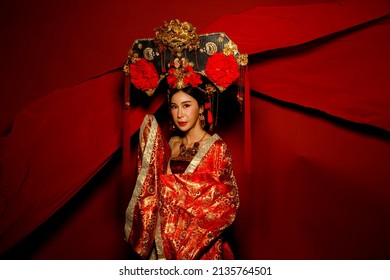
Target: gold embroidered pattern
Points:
(142, 175)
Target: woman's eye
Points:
(186, 105)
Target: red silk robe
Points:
(181, 216)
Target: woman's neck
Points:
(193, 136)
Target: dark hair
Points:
(194, 92)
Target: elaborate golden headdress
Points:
(210, 62)
(178, 54)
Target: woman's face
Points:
(185, 111)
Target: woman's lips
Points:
(181, 123)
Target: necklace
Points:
(190, 152)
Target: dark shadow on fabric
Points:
(357, 127)
(311, 45)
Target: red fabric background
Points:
(319, 189)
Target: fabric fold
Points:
(268, 28)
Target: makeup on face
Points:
(184, 110)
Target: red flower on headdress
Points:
(143, 75)
(182, 76)
(191, 77)
(222, 69)
(172, 77)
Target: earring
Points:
(172, 126)
(202, 120)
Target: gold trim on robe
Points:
(147, 154)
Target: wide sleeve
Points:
(202, 205)
(142, 211)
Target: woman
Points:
(186, 194)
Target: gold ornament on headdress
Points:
(178, 36)
(181, 73)
(230, 48)
(180, 57)
(242, 59)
